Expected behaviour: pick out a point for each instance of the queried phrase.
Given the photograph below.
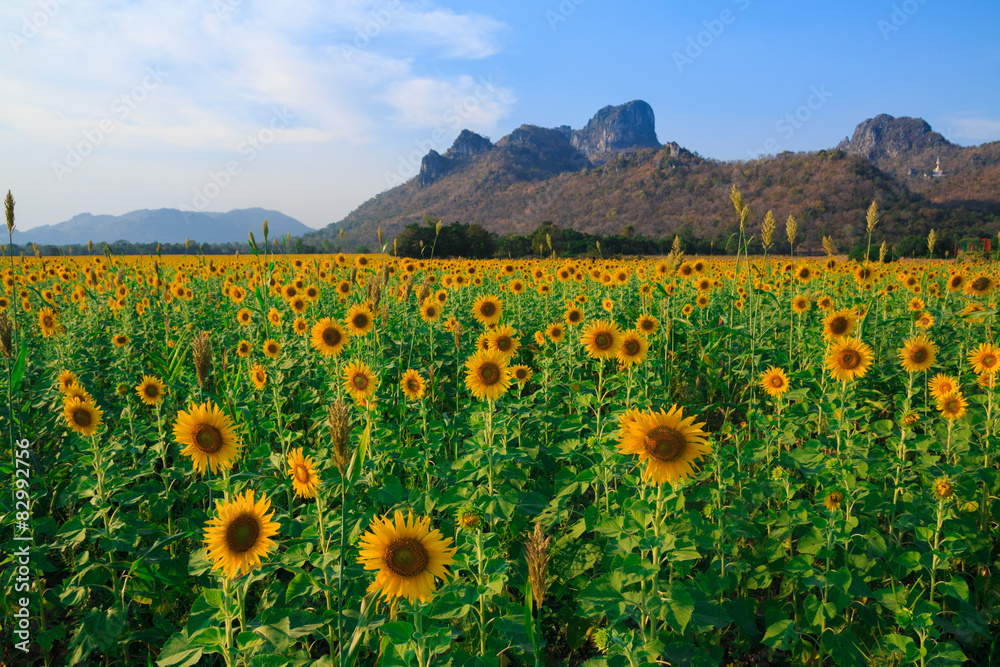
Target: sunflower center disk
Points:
(207, 438)
(360, 321)
(406, 557)
(777, 382)
(602, 341)
(81, 417)
(487, 309)
(918, 356)
(331, 336)
(849, 359)
(489, 373)
(665, 444)
(980, 284)
(988, 361)
(503, 344)
(152, 391)
(301, 474)
(631, 348)
(242, 534)
(838, 326)
(359, 381)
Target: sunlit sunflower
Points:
(359, 380)
(985, 359)
(48, 322)
(941, 385)
(302, 470)
(274, 316)
(83, 416)
(328, 338)
(647, 324)
(669, 442)
(360, 319)
(824, 302)
(66, 380)
(487, 375)
(487, 310)
(502, 340)
(980, 286)
(407, 555)
(602, 339)
(430, 310)
(243, 349)
(300, 326)
(120, 340)
(555, 332)
(412, 385)
(848, 358)
(258, 375)
(298, 304)
(952, 406)
(774, 381)
(924, 320)
(800, 304)
(833, 500)
(839, 324)
(573, 314)
(521, 373)
(956, 282)
(243, 317)
(272, 348)
(208, 436)
(77, 391)
(239, 535)
(151, 390)
(633, 348)
(918, 354)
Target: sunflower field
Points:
(273, 459)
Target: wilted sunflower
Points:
(943, 488)
(774, 381)
(633, 349)
(407, 555)
(602, 339)
(208, 436)
(258, 375)
(952, 406)
(302, 470)
(240, 533)
(412, 385)
(151, 390)
(328, 338)
(848, 358)
(502, 340)
(48, 322)
(487, 375)
(83, 416)
(941, 385)
(833, 500)
(985, 359)
(359, 380)
(918, 354)
(839, 324)
(667, 440)
(360, 319)
(272, 348)
(487, 310)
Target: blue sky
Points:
(311, 107)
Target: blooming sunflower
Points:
(980, 286)
(240, 533)
(430, 311)
(647, 324)
(985, 359)
(120, 340)
(602, 339)
(48, 322)
(328, 338)
(258, 375)
(302, 470)
(918, 354)
(487, 310)
(360, 319)
(300, 326)
(502, 340)
(555, 332)
(66, 380)
(151, 390)
(800, 304)
(941, 385)
(83, 416)
(833, 500)
(774, 381)
(359, 380)
(412, 385)
(521, 373)
(573, 315)
(924, 320)
(848, 358)
(839, 324)
(272, 348)
(487, 376)
(208, 437)
(243, 349)
(668, 441)
(243, 317)
(633, 349)
(952, 406)
(407, 555)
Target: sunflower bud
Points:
(8, 205)
(537, 553)
(202, 357)
(6, 335)
(339, 423)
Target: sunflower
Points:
(412, 385)
(120, 340)
(487, 376)
(66, 380)
(824, 302)
(924, 320)
(555, 332)
(608, 305)
(328, 338)
(502, 340)
(915, 305)
(800, 304)
(985, 359)
(208, 436)
(359, 380)
(980, 286)
(633, 349)
(298, 304)
(839, 324)
(83, 416)
(918, 354)
(272, 348)
(243, 349)
(521, 373)
(243, 317)
(151, 390)
(848, 358)
(647, 324)
(77, 391)
(702, 301)
(573, 315)
(48, 322)
(430, 311)
(274, 316)
(833, 500)
(258, 375)
(956, 282)
(774, 381)
(487, 310)
(407, 555)
(302, 470)
(360, 319)
(941, 385)
(668, 441)
(240, 533)
(952, 406)
(602, 339)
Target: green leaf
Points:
(680, 608)
(18, 373)
(398, 632)
(358, 460)
(178, 653)
(780, 634)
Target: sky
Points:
(311, 107)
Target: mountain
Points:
(166, 225)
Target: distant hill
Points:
(614, 173)
(166, 225)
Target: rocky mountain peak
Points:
(468, 143)
(885, 136)
(616, 128)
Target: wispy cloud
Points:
(972, 128)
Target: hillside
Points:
(614, 173)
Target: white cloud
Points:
(972, 128)
(462, 102)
